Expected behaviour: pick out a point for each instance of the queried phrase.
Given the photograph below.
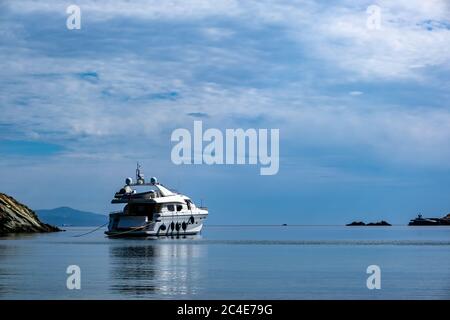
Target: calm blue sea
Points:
(231, 262)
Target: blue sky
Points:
(364, 115)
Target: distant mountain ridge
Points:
(66, 216)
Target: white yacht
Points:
(153, 211)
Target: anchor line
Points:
(132, 229)
(83, 234)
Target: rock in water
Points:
(16, 217)
(370, 224)
(355, 223)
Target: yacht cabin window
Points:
(140, 209)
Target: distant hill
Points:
(65, 216)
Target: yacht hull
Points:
(171, 225)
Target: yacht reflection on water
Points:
(150, 268)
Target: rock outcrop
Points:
(370, 224)
(379, 223)
(356, 223)
(17, 218)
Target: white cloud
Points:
(140, 9)
(103, 119)
(339, 35)
(336, 33)
(416, 137)
(217, 34)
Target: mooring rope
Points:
(127, 231)
(83, 234)
(131, 230)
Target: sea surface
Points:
(231, 262)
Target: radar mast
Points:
(139, 175)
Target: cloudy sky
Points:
(364, 114)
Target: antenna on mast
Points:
(139, 175)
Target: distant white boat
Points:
(155, 211)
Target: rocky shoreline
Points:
(18, 218)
